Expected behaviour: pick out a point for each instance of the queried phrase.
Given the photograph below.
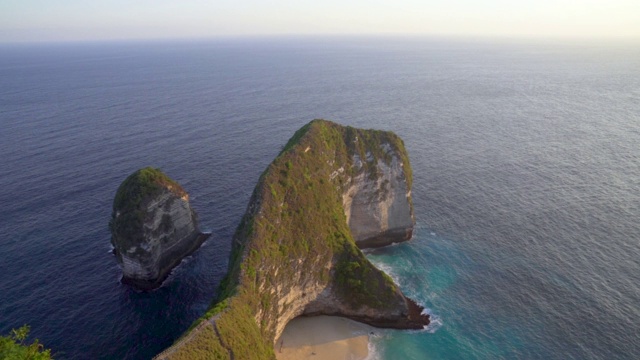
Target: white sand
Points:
(323, 338)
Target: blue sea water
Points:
(525, 155)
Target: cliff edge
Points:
(153, 227)
(294, 251)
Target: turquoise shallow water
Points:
(526, 174)
(429, 270)
(437, 271)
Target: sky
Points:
(80, 20)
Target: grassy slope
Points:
(295, 221)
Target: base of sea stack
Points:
(386, 238)
(169, 262)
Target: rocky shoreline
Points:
(414, 319)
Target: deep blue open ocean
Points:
(525, 155)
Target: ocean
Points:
(525, 155)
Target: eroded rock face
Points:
(377, 202)
(153, 228)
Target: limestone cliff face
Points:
(294, 252)
(153, 228)
(377, 201)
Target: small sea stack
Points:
(153, 228)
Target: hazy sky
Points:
(43, 20)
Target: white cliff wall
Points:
(378, 208)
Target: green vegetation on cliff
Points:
(14, 346)
(293, 236)
(140, 185)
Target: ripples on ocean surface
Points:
(525, 160)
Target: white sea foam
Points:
(374, 347)
(435, 321)
(387, 269)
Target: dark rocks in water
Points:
(153, 228)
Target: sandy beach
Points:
(323, 338)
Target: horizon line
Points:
(345, 36)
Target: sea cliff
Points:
(376, 194)
(294, 251)
(153, 227)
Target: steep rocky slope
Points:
(152, 227)
(294, 253)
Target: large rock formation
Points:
(294, 253)
(152, 227)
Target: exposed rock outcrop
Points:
(377, 200)
(153, 228)
(294, 252)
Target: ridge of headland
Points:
(294, 251)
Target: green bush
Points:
(14, 346)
